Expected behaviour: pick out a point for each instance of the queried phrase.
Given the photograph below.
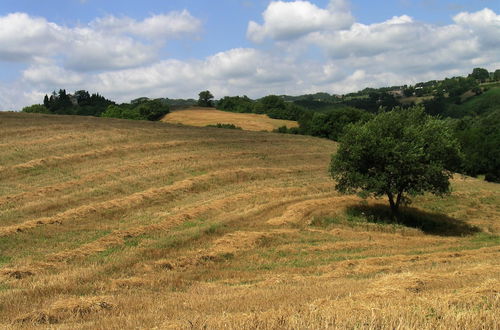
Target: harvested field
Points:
(202, 117)
(112, 224)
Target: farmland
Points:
(248, 121)
(109, 223)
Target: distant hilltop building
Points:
(396, 93)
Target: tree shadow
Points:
(429, 223)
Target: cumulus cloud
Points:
(407, 47)
(291, 20)
(22, 38)
(484, 24)
(241, 70)
(91, 50)
(398, 47)
(118, 57)
(104, 44)
(236, 71)
(51, 74)
(164, 26)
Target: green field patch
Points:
(485, 239)
(41, 241)
(103, 256)
(5, 259)
(4, 287)
(191, 224)
(133, 241)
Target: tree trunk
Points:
(394, 205)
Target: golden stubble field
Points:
(202, 117)
(113, 224)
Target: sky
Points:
(176, 48)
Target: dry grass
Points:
(248, 121)
(415, 99)
(112, 224)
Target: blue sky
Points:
(158, 48)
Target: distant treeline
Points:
(83, 104)
(325, 120)
(471, 105)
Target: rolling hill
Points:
(206, 116)
(112, 224)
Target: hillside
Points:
(478, 105)
(113, 224)
(205, 116)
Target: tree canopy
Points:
(80, 103)
(496, 75)
(398, 154)
(139, 109)
(205, 99)
(480, 74)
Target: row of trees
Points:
(272, 105)
(85, 104)
(470, 120)
(139, 109)
(483, 75)
(80, 103)
(474, 119)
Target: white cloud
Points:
(404, 46)
(104, 44)
(240, 71)
(22, 38)
(165, 26)
(291, 20)
(52, 75)
(484, 24)
(95, 50)
(118, 57)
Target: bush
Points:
(36, 108)
(229, 126)
(144, 109)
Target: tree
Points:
(480, 74)
(235, 104)
(496, 75)
(153, 109)
(145, 109)
(205, 99)
(36, 108)
(331, 124)
(435, 106)
(480, 137)
(409, 91)
(398, 154)
(82, 97)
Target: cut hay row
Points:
(151, 195)
(118, 237)
(161, 226)
(74, 193)
(132, 168)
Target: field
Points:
(415, 99)
(248, 121)
(116, 224)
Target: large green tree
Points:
(496, 75)
(480, 74)
(398, 154)
(205, 99)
